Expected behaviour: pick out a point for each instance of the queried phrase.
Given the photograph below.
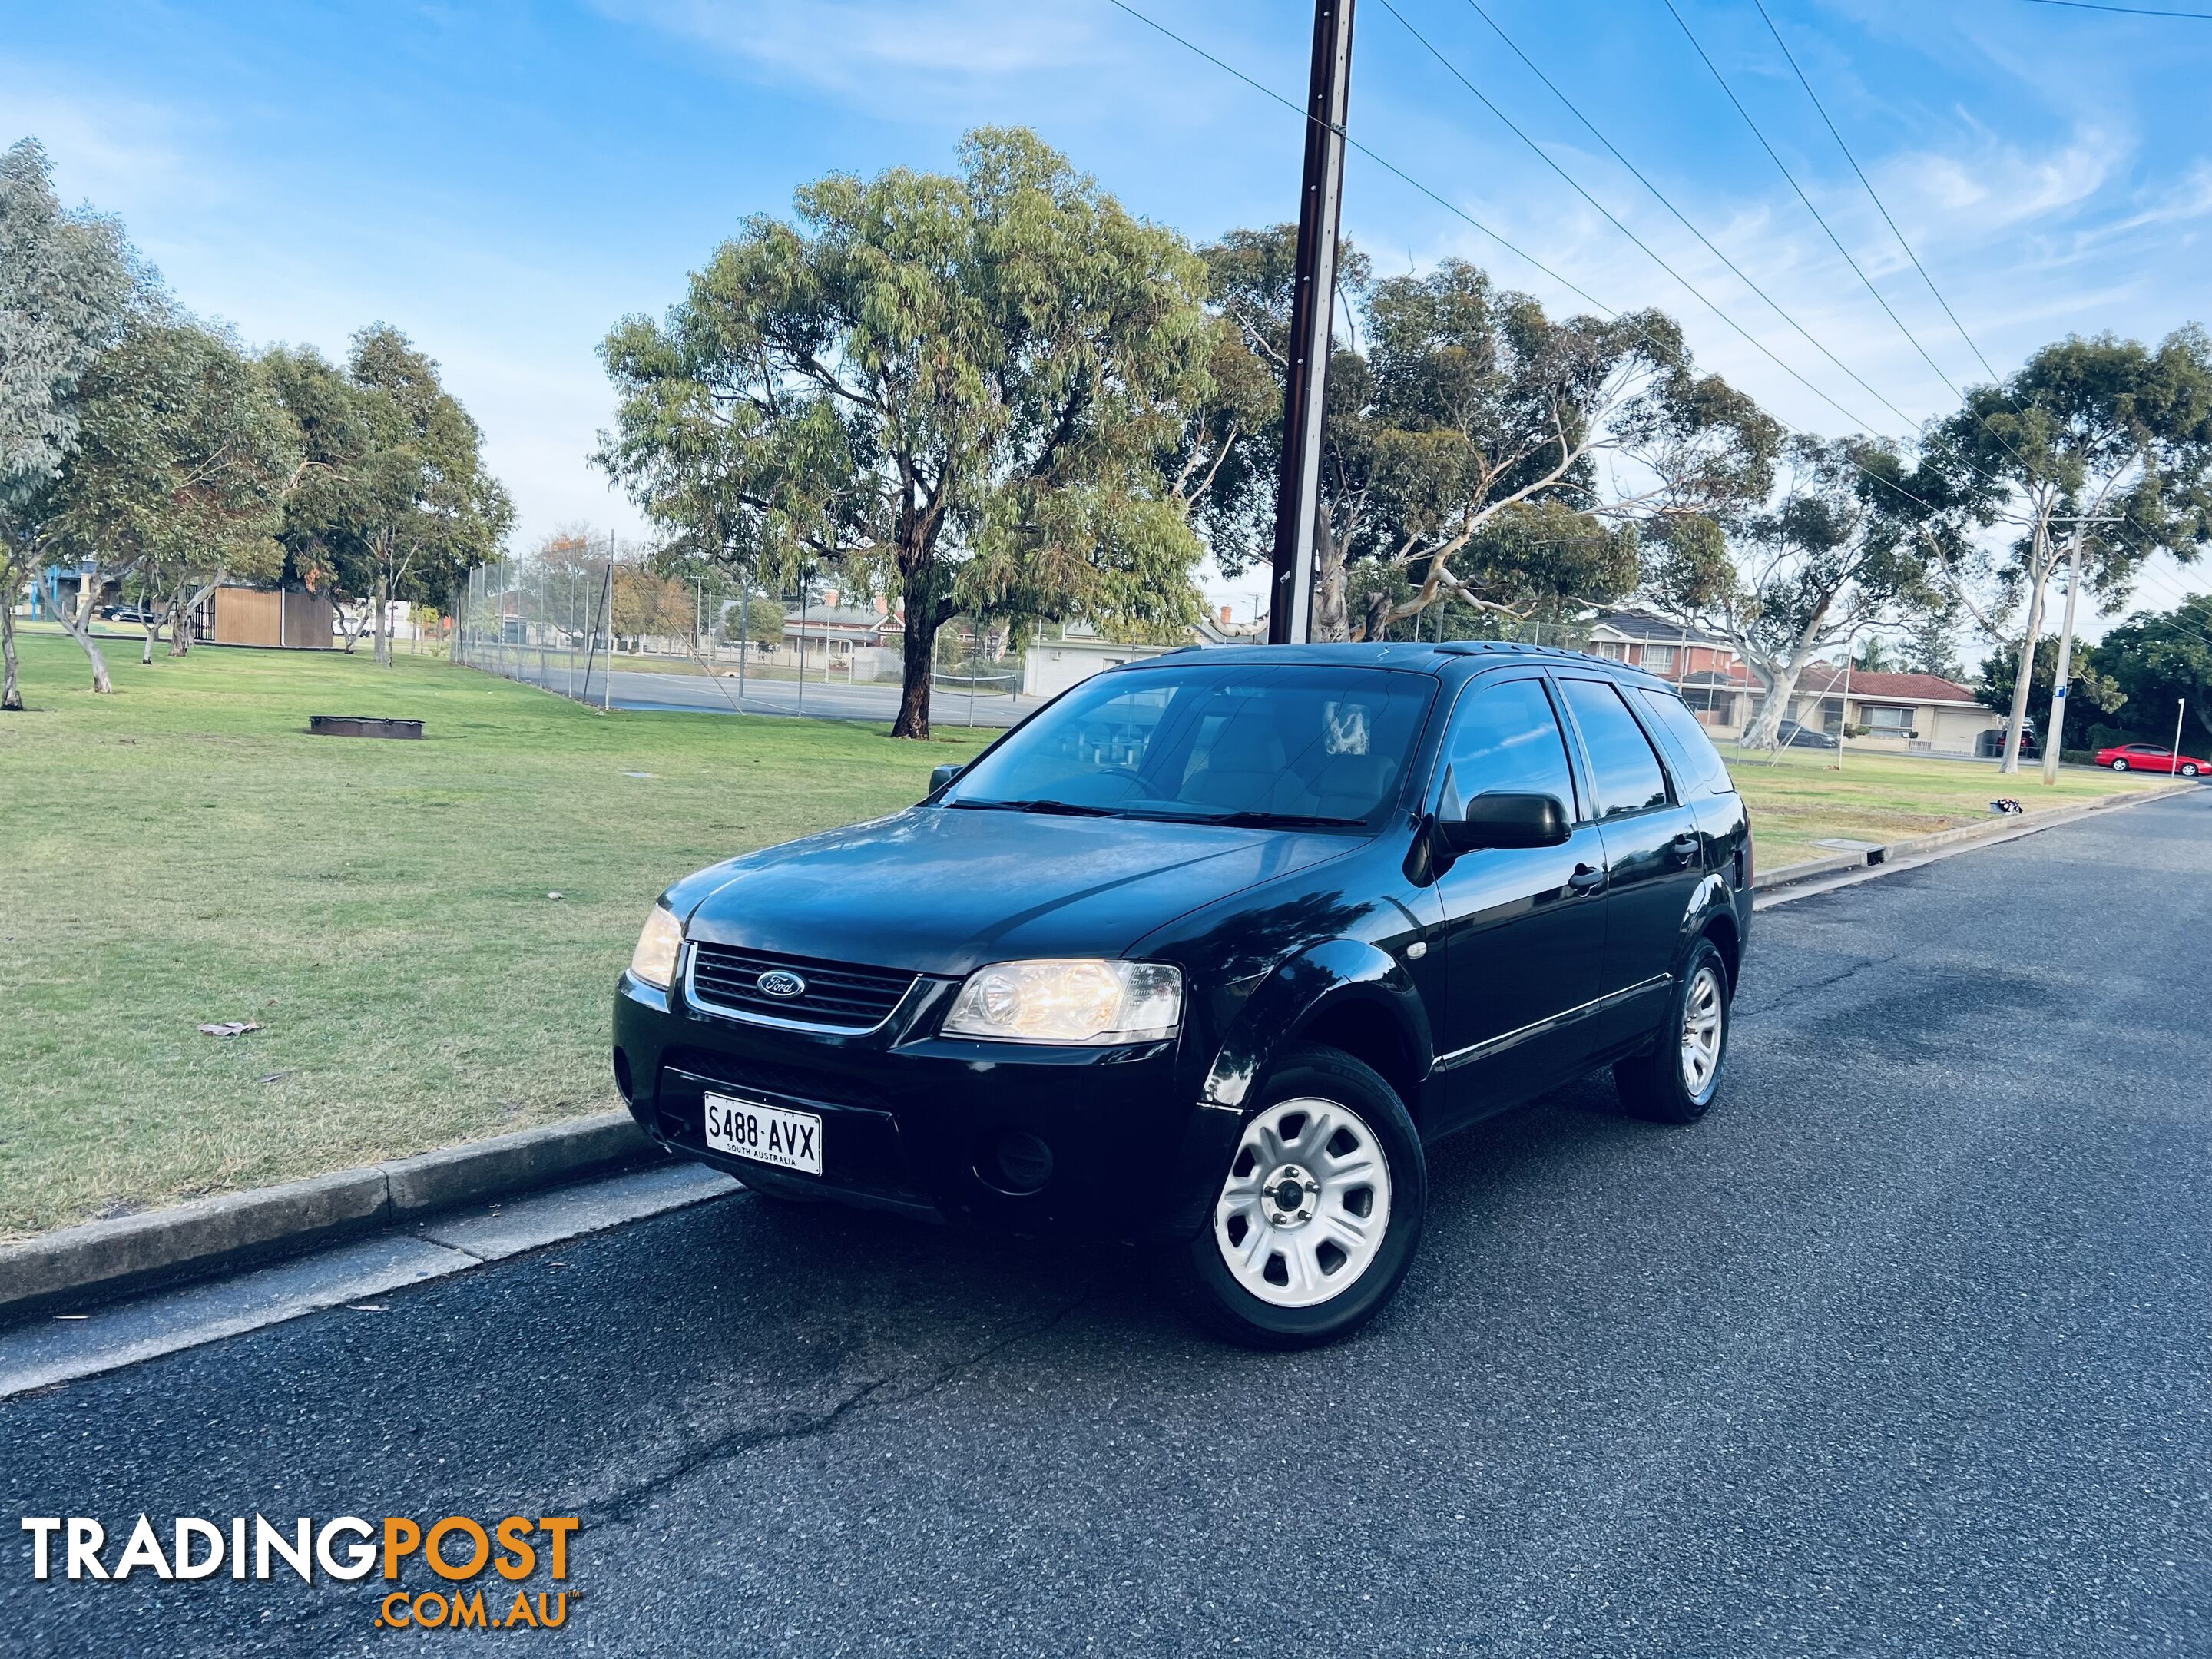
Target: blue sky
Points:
(504, 180)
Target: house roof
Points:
(1822, 677)
(1642, 625)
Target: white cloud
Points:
(847, 47)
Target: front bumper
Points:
(919, 1124)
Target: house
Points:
(1050, 666)
(1667, 649)
(1905, 714)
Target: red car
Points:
(2149, 758)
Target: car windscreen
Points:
(1286, 744)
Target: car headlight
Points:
(1084, 1000)
(653, 961)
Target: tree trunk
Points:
(11, 688)
(918, 651)
(1329, 620)
(80, 630)
(1766, 729)
(180, 629)
(2013, 727)
(384, 620)
(153, 626)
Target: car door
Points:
(1654, 854)
(1523, 927)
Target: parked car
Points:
(1792, 735)
(2150, 758)
(135, 615)
(1207, 954)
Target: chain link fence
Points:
(609, 632)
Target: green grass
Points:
(1800, 798)
(184, 852)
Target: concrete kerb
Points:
(101, 1258)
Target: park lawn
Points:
(1800, 798)
(184, 852)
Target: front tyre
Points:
(2119, 766)
(1675, 1083)
(1318, 1214)
(2188, 769)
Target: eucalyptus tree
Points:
(66, 281)
(397, 502)
(961, 390)
(1848, 544)
(1465, 431)
(2101, 452)
(184, 456)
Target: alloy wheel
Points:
(1307, 1203)
(1705, 1013)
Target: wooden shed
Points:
(274, 615)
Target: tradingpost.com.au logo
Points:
(456, 1549)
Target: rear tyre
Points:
(1318, 1214)
(1677, 1081)
(2119, 765)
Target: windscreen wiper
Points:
(1261, 820)
(1058, 808)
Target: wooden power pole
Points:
(1297, 503)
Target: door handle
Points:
(1585, 879)
(1686, 845)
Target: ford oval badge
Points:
(782, 983)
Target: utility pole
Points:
(2065, 667)
(1313, 296)
(2173, 766)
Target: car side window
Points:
(1625, 769)
(1702, 768)
(1505, 738)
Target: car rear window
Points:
(1703, 771)
(1625, 766)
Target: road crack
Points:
(616, 1510)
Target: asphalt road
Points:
(1907, 1349)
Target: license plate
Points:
(766, 1134)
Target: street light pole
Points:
(2173, 766)
(1313, 294)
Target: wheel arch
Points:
(1345, 994)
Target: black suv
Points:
(1205, 953)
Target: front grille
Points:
(837, 993)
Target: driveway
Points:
(1904, 1350)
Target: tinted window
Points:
(1628, 776)
(1506, 737)
(1701, 763)
(1195, 741)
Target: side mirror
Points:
(1500, 819)
(941, 775)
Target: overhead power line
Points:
(1396, 172)
(1664, 201)
(1819, 218)
(1872, 194)
(1857, 271)
(2126, 11)
(1390, 168)
(1574, 184)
